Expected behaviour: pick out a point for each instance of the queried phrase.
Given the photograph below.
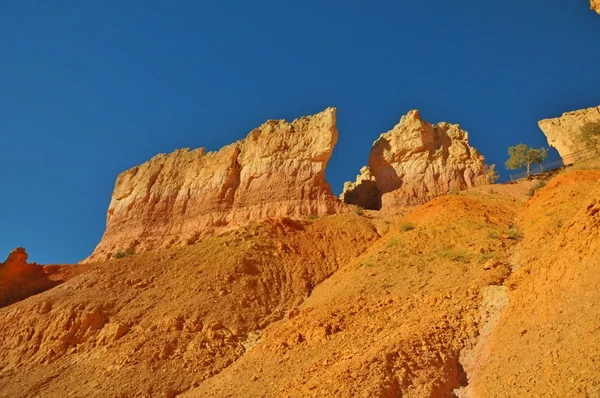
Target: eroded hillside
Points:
(161, 322)
(482, 293)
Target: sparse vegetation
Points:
(457, 255)
(514, 233)
(590, 136)
(122, 254)
(493, 234)
(485, 256)
(491, 174)
(392, 242)
(359, 211)
(404, 227)
(313, 217)
(524, 156)
(540, 184)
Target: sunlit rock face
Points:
(415, 162)
(596, 5)
(20, 279)
(175, 199)
(564, 132)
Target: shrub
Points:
(123, 254)
(460, 256)
(359, 210)
(392, 242)
(485, 256)
(313, 216)
(590, 135)
(404, 227)
(491, 174)
(515, 234)
(540, 184)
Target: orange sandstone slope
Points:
(483, 293)
(473, 295)
(547, 341)
(161, 322)
(394, 321)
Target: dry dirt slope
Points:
(547, 342)
(157, 323)
(484, 293)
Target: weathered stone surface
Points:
(176, 199)
(563, 133)
(415, 162)
(595, 5)
(20, 279)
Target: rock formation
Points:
(596, 5)
(415, 162)
(175, 199)
(563, 133)
(20, 279)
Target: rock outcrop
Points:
(176, 199)
(563, 133)
(595, 5)
(415, 162)
(20, 279)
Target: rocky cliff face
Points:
(415, 162)
(176, 199)
(596, 5)
(563, 133)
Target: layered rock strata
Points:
(415, 162)
(564, 132)
(176, 199)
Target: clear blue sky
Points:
(91, 88)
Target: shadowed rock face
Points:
(176, 199)
(415, 162)
(20, 279)
(563, 133)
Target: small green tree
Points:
(524, 156)
(590, 136)
(491, 174)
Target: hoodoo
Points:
(414, 163)
(20, 279)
